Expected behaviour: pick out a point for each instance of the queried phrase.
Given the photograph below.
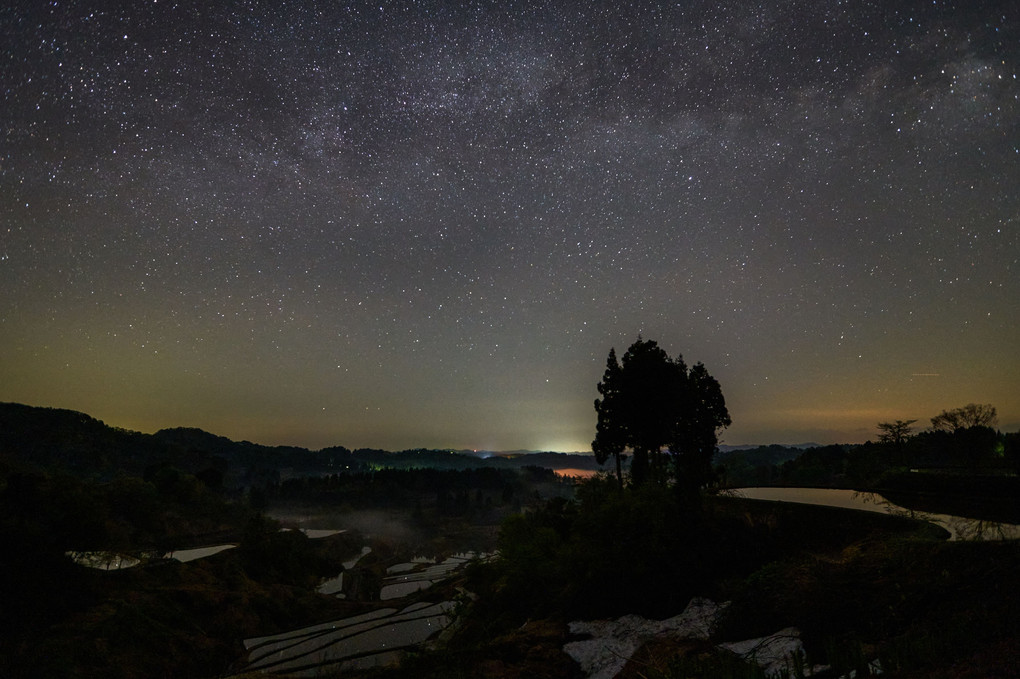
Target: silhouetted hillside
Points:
(73, 441)
(50, 438)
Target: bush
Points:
(640, 551)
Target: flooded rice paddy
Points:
(362, 641)
(959, 527)
(367, 640)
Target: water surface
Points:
(959, 527)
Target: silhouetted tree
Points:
(695, 437)
(895, 432)
(610, 437)
(652, 402)
(639, 397)
(970, 415)
(975, 446)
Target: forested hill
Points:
(72, 441)
(51, 438)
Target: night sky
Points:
(425, 224)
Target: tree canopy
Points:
(895, 432)
(970, 415)
(662, 411)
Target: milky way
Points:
(425, 224)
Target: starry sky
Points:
(424, 224)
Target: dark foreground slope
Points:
(859, 586)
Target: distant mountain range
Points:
(722, 449)
(77, 443)
(747, 446)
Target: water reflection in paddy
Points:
(335, 585)
(959, 527)
(360, 641)
(407, 578)
(368, 639)
(106, 561)
(111, 561)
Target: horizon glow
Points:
(393, 226)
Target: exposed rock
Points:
(613, 642)
(775, 654)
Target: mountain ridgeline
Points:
(72, 441)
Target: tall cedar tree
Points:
(661, 411)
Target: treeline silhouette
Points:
(75, 443)
(451, 492)
(977, 450)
